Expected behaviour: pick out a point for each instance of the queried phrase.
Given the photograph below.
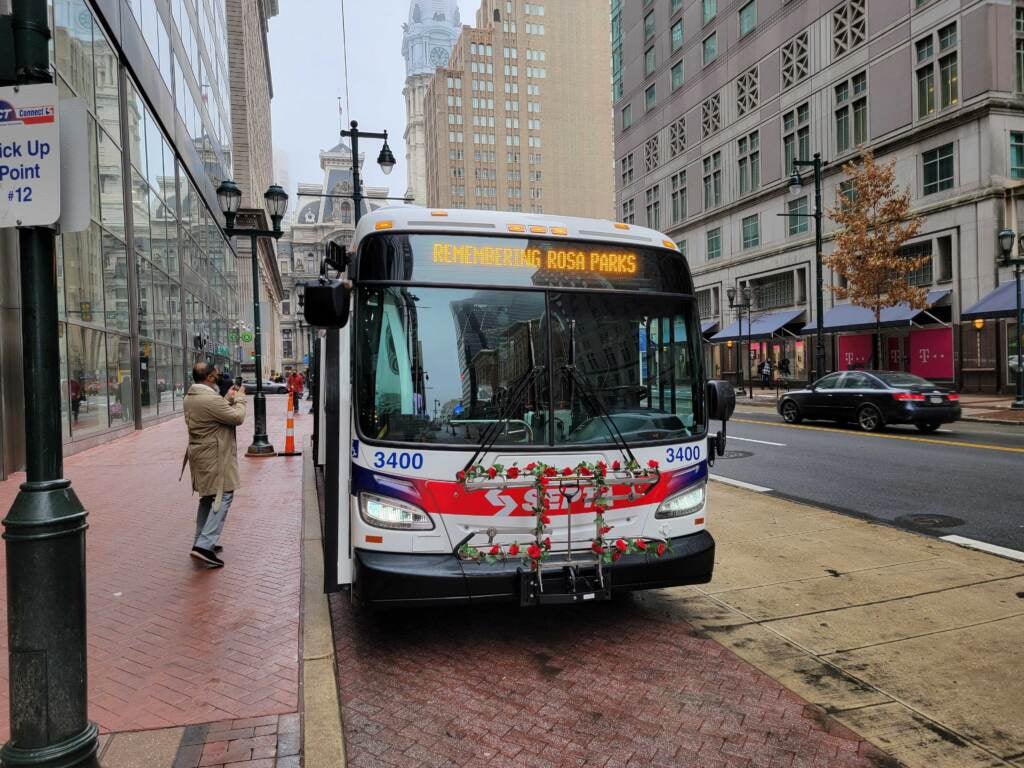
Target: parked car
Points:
(872, 399)
(634, 426)
(269, 387)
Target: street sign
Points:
(29, 156)
(247, 337)
(233, 334)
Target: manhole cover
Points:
(736, 455)
(930, 521)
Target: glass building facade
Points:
(151, 285)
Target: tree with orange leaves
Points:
(874, 222)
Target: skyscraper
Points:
(427, 40)
(518, 119)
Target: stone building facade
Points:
(517, 120)
(714, 98)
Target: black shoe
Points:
(207, 557)
(218, 548)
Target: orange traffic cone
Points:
(289, 435)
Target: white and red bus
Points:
(480, 339)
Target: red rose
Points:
(512, 473)
(584, 472)
(605, 529)
(495, 550)
(492, 472)
(547, 543)
(616, 555)
(567, 471)
(602, 465)
(513, 550)
(550, 471)
(460, 476)
(640, 544)
(621, 545)
(596, 546)
(545, 520)
(531, 466)
(533, 551)
(616, 465)
(653, 463)
(601, 470)
(661, 549)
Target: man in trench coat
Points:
(212, 456)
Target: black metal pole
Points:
(819, 345)
(260, 442)
(44, 531)
(750, 341)
(1018, 403)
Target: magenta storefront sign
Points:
(854, 351)
(930, 351)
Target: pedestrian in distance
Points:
(766, 374)
(212, 456)
(295, 383)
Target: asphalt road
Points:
(968, 471)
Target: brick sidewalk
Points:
(617, 685)
(172, 643)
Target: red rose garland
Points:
(540, 548)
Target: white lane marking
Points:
(741, 484)
(752, 440)
(993, 549)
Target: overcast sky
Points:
(307, 65)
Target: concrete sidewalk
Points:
(911, 642)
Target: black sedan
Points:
(872, 399)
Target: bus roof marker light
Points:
(670, 244)
(620, 225)
(384, 225)
(559, 231)
(439, 213)
(516, 227)
(537, 229)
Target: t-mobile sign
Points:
(854, 351)
(931, 353)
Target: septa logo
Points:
(26, 115)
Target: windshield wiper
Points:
(596, 406)
(493, 429)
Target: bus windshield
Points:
(439, 365)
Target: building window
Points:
(797, 223)
(677, 137)
(714, 237)
(849, 26)
(650, 97)
(796, 136)
(676, 5)
(774, 291)
(746, 92)
(936, 57)
(846, 195)
(649, 62)
(286, 348)
(748, 149)
(651, 160)
(677, 74)
(795, 61)
(748, 18)
(626, 167)
(627, 211)
(712, 180)
(710, 48)
(678, 197)
(710, 10)
(705, 304)
(938, 169)
(627, 116)
(654, 207)
(1016, 155)
(649, 26)
(751, 231)
(677, 35)
(852, 112)
(1019, 27)
(923, 275)
(711, 115)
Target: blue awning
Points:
(759, 327)
(706, 326)
(847, 317)
(1002, 302)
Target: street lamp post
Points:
(1006, 240)
(300, 292)
(795, 186)
(740, 306)
(230, 198)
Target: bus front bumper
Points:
(385, 579)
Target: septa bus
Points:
(479, 338)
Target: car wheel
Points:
(791, 412)
(869, 418)
(929, 427)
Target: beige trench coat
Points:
(212, 452)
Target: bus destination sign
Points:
(555, 257)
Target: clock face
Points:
(438, 57)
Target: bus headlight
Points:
(682, 504)
(383, 512)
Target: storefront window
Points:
(120, 380)
(115, 282)
(1014, 363)
(145, 293)
(164, 379)
(83, 276)
(110, 189)
(73, 46)
(140, 216)
(147, 379)
(87, 383)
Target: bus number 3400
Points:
(398, 460)
(682, 453)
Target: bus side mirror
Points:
(721, 398)
(327, 303)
